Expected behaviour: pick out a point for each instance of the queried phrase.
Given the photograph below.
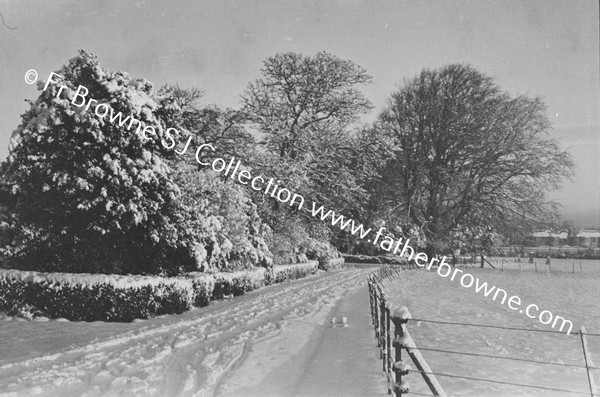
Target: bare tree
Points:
(467, 155)
(305, 108)
(302, 101)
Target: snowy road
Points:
(194, 354)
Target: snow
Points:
(192, 354)
(430, 297)
(86, 280)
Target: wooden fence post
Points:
(400, 386)
(588, 363)
(401, 368)
(370, 282)
(377, 297)
(384, 333)
(388, 367)
(374, 304)
(372, 286)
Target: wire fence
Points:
(529, 264)
(396, 369)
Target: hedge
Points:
(92, 297)
(283, 273)
(238, 283)
(203, 285)
(331, 264)
(99, 297)
(396, 260)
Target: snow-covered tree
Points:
(468, 156)
(91, 193)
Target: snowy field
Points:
(573, 296)
(191, 354)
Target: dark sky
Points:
(538, 48)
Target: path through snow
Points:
(183, 355)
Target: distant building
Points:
(588, 238)
(548, 238)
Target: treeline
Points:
(451, 159)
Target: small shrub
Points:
(320, 251)
(283, 273)
(204, 286)
(285, 238)
(238, 283)
(350, 258)
(331, 264)
(385, 259)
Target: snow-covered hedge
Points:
(238, 283)
(92, 297)
(331, 264)
(100, 297)
(283, 273)
(204, 286)
(321, 251)
(360, 258)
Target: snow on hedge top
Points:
(86, 280)
(309, 265)
(257, 274)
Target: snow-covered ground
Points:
(263, 342)
(181, 355)
(429, 296)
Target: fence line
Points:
(532, 264)
(396, 369)
(504, 358)
(492, 326)
(588, 363)
(505, 383)
(498, 327)
(403, 339)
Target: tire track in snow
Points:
(232, 356)
(185, 355)
(327, 301)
